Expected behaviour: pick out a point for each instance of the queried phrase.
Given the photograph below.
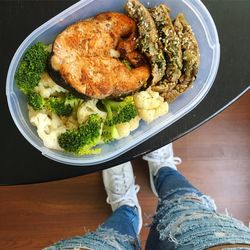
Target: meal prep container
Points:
(206, 34)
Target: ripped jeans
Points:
(185, 219)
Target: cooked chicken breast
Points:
(87, 56)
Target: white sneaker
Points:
(163, 157)
(119, 183)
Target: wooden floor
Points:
(216, 158)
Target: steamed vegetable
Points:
(47, 87)
(49, 127)
(82, 140)
(63, 105)
(124, 129)
(58, 105)
(109, 133)
(150, 105)
(31, 66)
(120, 111)
(88, 108)
(72, 100)
(36, 101)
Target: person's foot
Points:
(163, 157)
(119, 183)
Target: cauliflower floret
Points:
(47, 87)
(134, 123)
(88, 108)
(150, 105)
(49, 127)
(125, 128)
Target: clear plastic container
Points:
(206, 34)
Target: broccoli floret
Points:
(35, 101)
(26, 81)
(120, 111)
(117, 112)
(82, 140)
(109, 133)
(89, 151)
(72, 100)
(63, 105)
(31, 66)
(58, 105)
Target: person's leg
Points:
(169, 181)
(185, 218)
(121, 229)
(124, 220)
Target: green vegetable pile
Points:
(95, 130)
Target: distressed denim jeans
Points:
(185, 219)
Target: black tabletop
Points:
(21, 163)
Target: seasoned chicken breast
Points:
(87, 56)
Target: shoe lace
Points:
(126, 196)
(162, 157)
